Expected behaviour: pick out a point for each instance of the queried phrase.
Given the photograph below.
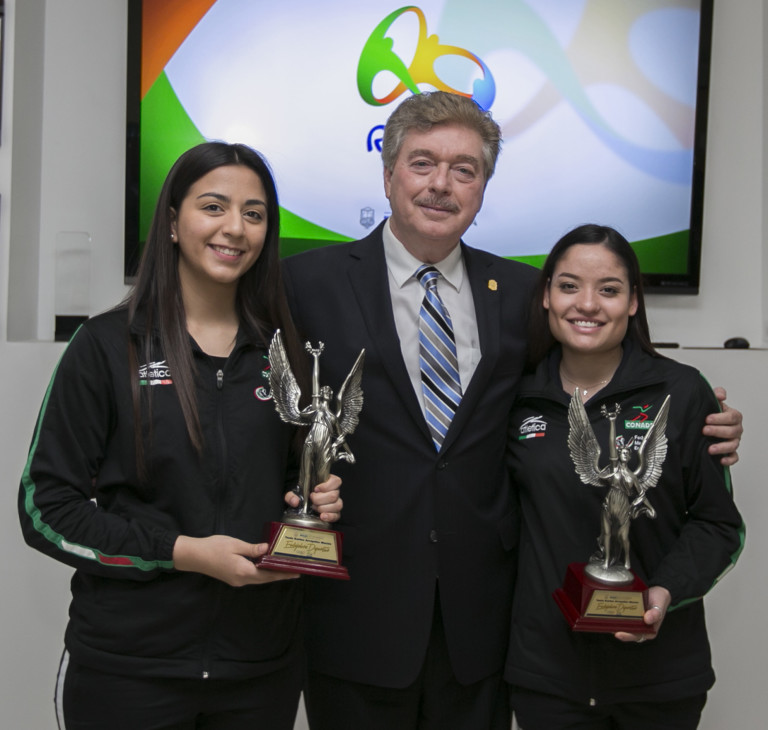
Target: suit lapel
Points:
(369, 280)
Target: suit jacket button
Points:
(442, 464)
(433, 535)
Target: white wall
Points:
(61, 171)
(735, 607)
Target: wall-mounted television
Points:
(603, 106)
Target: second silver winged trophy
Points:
(302, 542)
(604, 594)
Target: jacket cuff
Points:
(167, 542)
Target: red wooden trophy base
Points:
(589, 605)
(303, 549)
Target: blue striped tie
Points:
(437, 358)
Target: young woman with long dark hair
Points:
(590, 333)
(158, 459)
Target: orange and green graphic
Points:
(166, 129)
(378, 56)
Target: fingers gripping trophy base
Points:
(589, 605)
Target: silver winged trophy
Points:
(627, 488)
(328, 426)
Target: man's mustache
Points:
(440, 203)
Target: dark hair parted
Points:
(156, 307)
(424, 111)
(540, 336)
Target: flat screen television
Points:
(602, 103)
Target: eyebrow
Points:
(600, 281)
(227, 199)
(428, 153)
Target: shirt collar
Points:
(402, 264)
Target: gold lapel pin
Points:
(492, 285)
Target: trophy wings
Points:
(282, 383)
(349, 400)
(582, 442)
(653, 450)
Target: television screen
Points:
(602, 104)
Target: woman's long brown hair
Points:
(155, 305)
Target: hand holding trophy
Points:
(302, 542)
(604, 595)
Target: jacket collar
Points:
(637, 369)
(138, 329)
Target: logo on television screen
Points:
(378, 55)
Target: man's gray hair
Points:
(424, 111)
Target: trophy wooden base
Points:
(306, 550)
(589, 605)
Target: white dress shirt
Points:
(407, 295)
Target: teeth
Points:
(227, 251)
(584, 323)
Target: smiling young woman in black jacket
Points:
(158, 459)
(593, 335)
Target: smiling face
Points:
(220, 227)
(435, 189)
(589, 301)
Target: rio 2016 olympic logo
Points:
(378, 56)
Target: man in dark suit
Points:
(417, 637)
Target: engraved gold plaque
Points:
(299, 542)
(619, 604)
(304, 549)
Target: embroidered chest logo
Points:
(532, 427)
(641, 421)
(155, 373)
(262, 392)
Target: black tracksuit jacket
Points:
(81, 502)
(696, 536)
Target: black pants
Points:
(435, 701)
(539, 711)
(87, 699)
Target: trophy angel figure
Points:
(328, 428)
(627, 488)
